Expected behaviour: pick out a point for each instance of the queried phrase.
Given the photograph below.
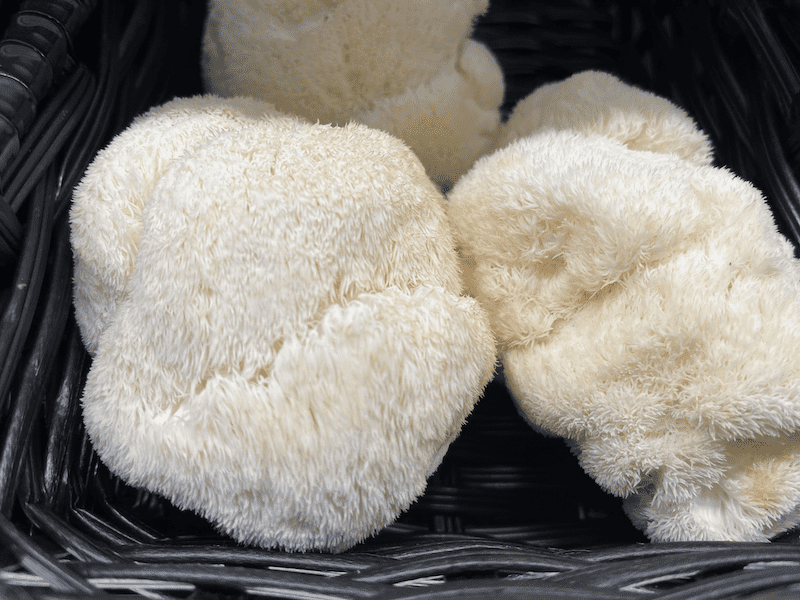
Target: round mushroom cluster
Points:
(274, 308)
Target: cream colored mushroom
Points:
(105, 215)
(648, 311)
(293, 354)
(595, 102)
(408, 68)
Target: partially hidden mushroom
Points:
(408, 68)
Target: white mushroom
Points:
(648, 311)
(106, 211)
(594, 102)
(406, 67)
(293, 355)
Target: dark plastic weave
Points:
(508, 514)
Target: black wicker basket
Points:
(508, 513)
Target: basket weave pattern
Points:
(508, 513)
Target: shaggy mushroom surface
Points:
(648, 311)
(106, 213)
(408, 68)
(291, 355)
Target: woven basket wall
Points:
(509, 513)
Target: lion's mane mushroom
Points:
(293, 355)
(408, 68)
(647, 310)
(595, 102)
(108, 202)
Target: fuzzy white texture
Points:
(647, 309)
(595, 102)
(449, 121)
(105, 215)
(406, 67)
(293, 355)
